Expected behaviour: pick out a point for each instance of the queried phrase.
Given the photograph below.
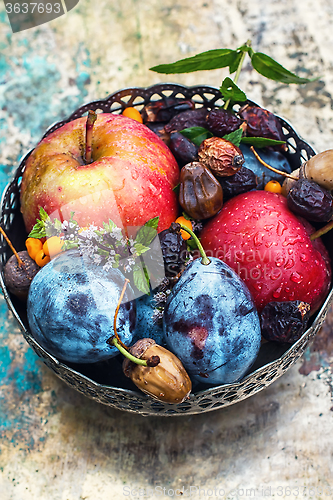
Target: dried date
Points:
(187, 119)
(284, 322)
(311, 201)
(222, 122)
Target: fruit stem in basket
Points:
(91, 118)
(322, 231)
(19, 260)
(280, 172)
(204, 259)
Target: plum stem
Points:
(91, 118)
(204, 259)
(280, 172)
(115, 340)
(19, 260)
(321, 231)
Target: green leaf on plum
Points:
(196, 134)
(212, 59)
(235, 137)
(271, 69)
(231, 92)
(147, 233)
(261, 142)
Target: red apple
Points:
(130, 179)
(270, 249)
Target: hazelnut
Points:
(168, 381)
(222, 157)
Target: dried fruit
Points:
(200, 193)
(221, 122)
(187, 223)
(242, 181)
(261, 123)
(221, 156)
(18, 277)
(311, 201)
(182, 148)
(186, 119)
(284, 321)
(273, 186)
(168, 381)
(132, 113)
(165, 110)
(174, 250)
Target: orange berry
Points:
(41, 259)
(53, 246)
(186, 223)
(133, 113)
(33, 246)
(273, 187)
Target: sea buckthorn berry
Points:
(33, 246)
(41, 258)
(187, 223)
(133, 113)
(53, 246)
(273, 187)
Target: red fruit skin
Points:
(269, 247)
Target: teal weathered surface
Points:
(54, 442)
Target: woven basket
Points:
(104, 382)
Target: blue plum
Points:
(146, 326)
(273, 158)
(71, 307)
(211, 323)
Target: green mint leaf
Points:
(235, 63)
(140, 279)
(147, 233)
(196, 134)
(261, 142)
(271, 69)
(38, 231)
(153, 222)
(43, 215)
(230, 91)
(234, 137)
(212, 59)
(140, 249)
(109, 226)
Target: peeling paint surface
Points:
(56, 444)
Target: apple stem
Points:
(19, 260)
(204, 259)
(272, 168)
(91, 118)
(321, 231)
(115, 340)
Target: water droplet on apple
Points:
(296, 277)
(276, 294)
(303, 257)
(290, 264)
(135, 174)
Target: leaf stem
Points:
(238, 71)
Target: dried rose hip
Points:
(222, 157)
(182, 148)
(164, 110)
(200, 193)
(284, 321)
(187, 119)
(221, 122)
(242, 181)
(261, 123)
(311, 201)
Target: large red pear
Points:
(270, 249)
(130, 179)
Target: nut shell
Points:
(222, 157)
(167, 382)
